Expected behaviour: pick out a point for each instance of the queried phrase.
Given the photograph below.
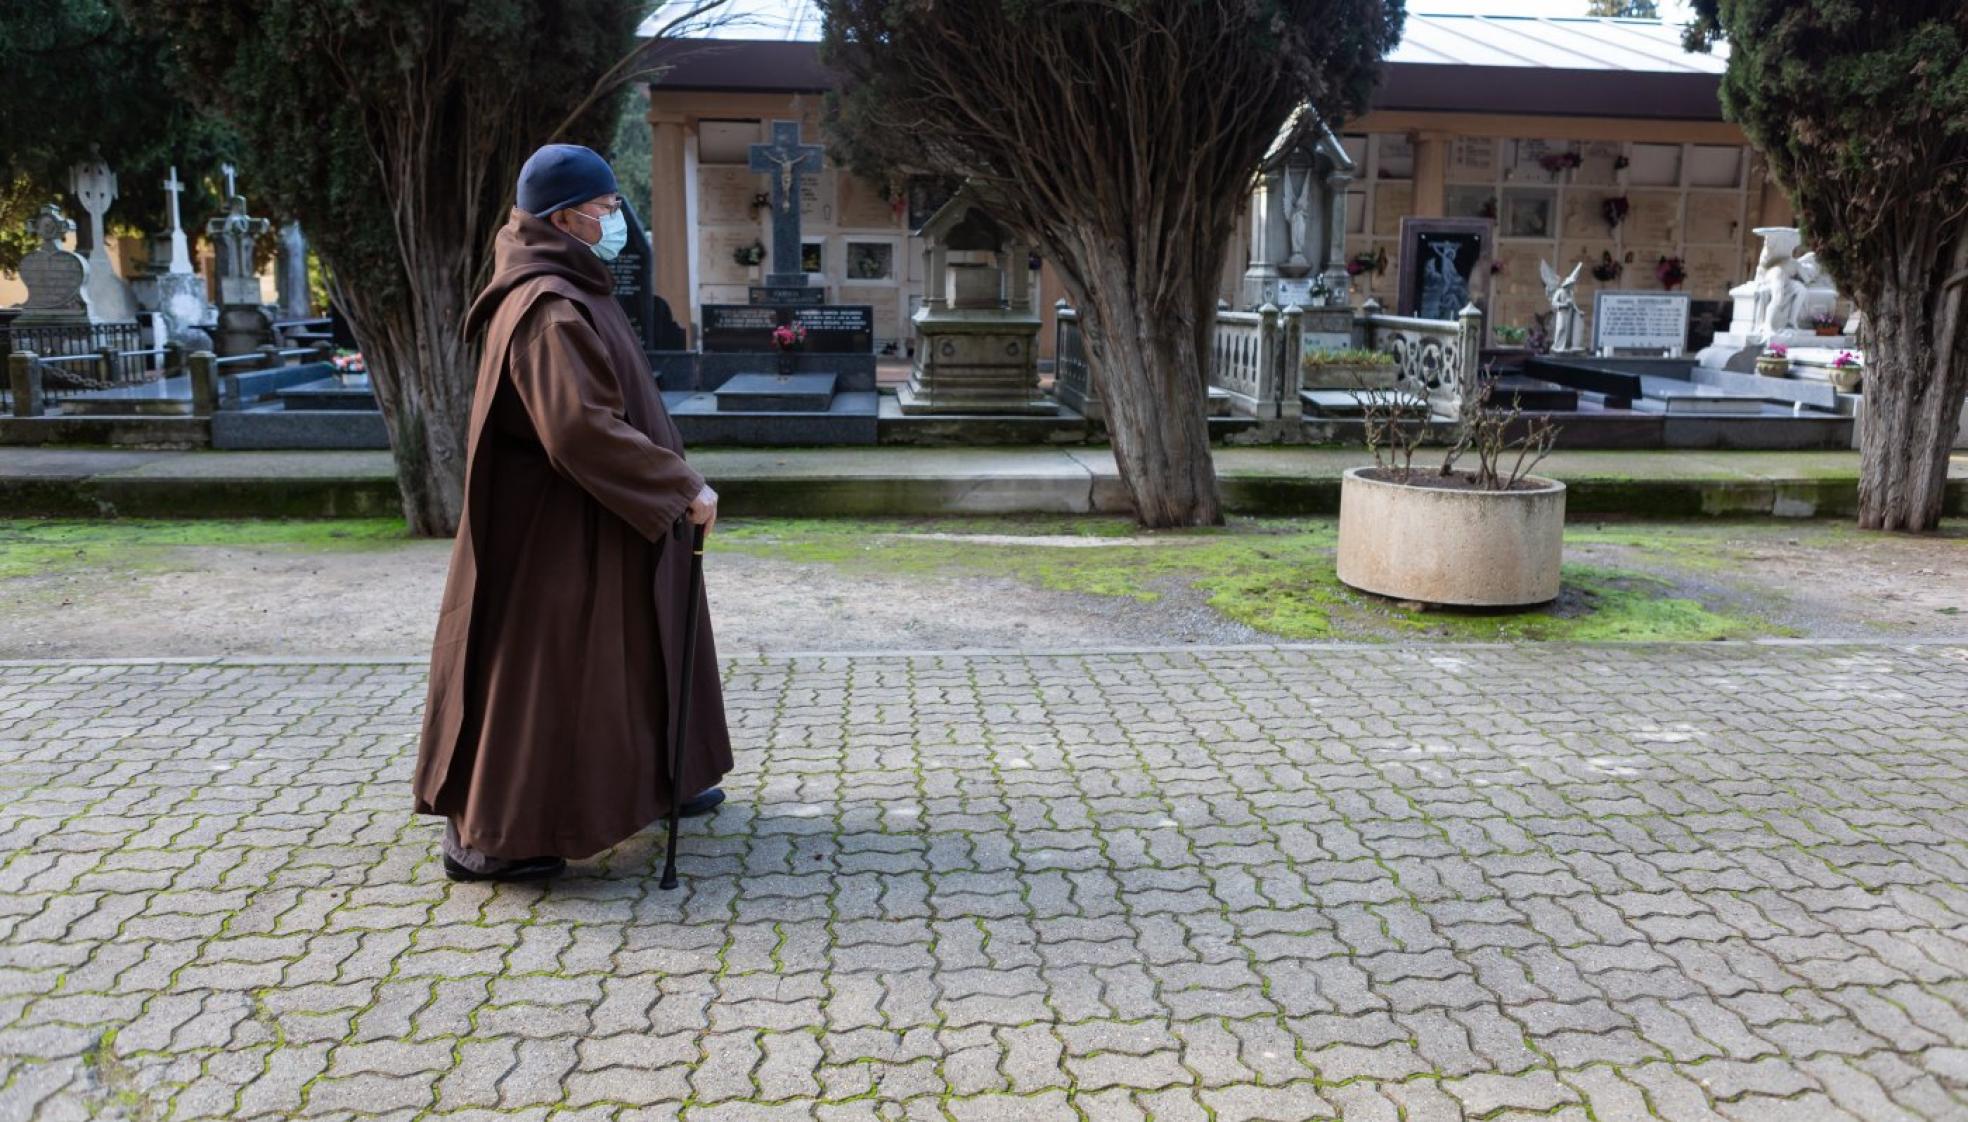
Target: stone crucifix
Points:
(180, 248)
(786, 160)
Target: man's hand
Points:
(704, 508)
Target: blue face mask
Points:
(614, 234)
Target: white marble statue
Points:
(1300, 204)
(1780, 281)
(1567, 330)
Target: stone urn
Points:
(1773, 366)
(1454, 546)
(1845, 379)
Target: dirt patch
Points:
(131, 590)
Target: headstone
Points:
(844, 329)
(635, 289)
(291, 274)
(54, 276)
(786, 160)
(978, 330)
(109, 299)
(175, 291)
(233, 236)
(1640, 323)
(243, 324)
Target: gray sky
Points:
(800, 19)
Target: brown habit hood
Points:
(557, 661)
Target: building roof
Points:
(1542, 65)
(1551, 43)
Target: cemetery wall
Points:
(1690, 191)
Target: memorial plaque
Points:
(1624, 321)
(726, 195)
(793, 295)
(830, 329)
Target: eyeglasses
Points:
(609, 205)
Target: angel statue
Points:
(1567, 333)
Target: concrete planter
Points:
(1463, 548)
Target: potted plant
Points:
(787, 338)
(1510, 335)
(1846, 370)
(1346, 369)
(1825, 323)
(1488, 536)
(1774, 362)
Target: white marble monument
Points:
(1567, 328)
(1298, 222)
(1778, 305)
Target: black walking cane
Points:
(669, 880)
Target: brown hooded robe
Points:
(555, 669)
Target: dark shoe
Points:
(705, 802)
(526, 868)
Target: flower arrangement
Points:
(749, 255)
(1825, 323)
(1496, 267)
(1510, 335)
(1614, 209)
(1558, 162)
(760, 200)
(1671, 272)
(1608, 269)
(1845, 360)
(1373, 261)
(1777, 350)
(1621, 163)
(788, 336)
(349, 362)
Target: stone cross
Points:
(95, 186)
(180, 249)
(786, 159)
(228, 171)
(234, 233)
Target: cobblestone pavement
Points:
(1436, 883)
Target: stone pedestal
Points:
(241, 330)
(976, 361)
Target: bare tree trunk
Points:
(1916, 376)
(423, 374)
(1148, 361)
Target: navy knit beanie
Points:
(560, 175)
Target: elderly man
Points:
(559, 644)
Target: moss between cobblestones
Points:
(29, 548)
(1274, 576)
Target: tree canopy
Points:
(1861, 111)
(394, 132)
(1122, 137)
(98, 86)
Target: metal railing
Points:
(35, 381)
(1072, 376)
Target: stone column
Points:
(1431, 175)
(669, 230)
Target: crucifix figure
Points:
(180, 249)
(787, 160)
